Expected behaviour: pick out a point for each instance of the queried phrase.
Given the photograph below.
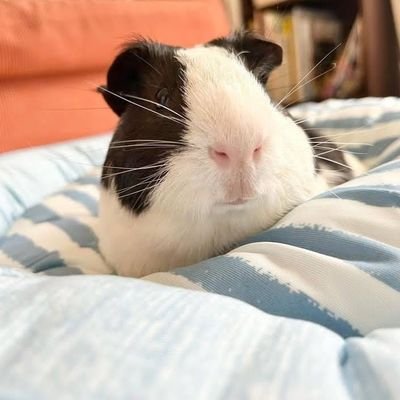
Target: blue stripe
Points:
(380, 196)
(232, 276)
(78, 232)
(365, 151)
(40, 213)
(391, 156)
(377, 259)
(89, 180)
(63, 271)
(86, 200)
(26, 252)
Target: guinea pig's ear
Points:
(259, 55)
(125, 74)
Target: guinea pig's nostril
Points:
(219, 156)
(257, 151)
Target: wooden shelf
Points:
(381, 49)
(380, 44)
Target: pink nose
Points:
(225, 156)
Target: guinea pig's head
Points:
(198, 133)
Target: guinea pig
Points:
(201, 157)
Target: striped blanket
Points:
(333, 261)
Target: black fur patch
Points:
(150, 71)
(260, 56)
(332, 155)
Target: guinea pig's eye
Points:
(162, 97)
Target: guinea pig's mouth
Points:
(237, 202)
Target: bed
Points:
(308, 309)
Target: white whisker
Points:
(299, 121)
(332, 161)
(149, 141)
(309, 81)
(157, 183)
(330, 191)
(148, 180)
(146, 62)
(143, 107)
(134, 169)
(344, 143)
(356, 130)
(305, 76)
(330, 150)
(144, 146)
(155, 103)
(139, 191)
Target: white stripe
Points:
(21, 226)
(51, 238)
(364, 134)
(379, 178)
(350, 293)
(342, 110)
(349, 216)
(96, 172)
(65, 206)
(165, 278)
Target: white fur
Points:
(187, 220)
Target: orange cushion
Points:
(52, 54)
(48, 109)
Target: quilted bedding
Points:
(310, 307)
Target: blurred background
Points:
(53, 53)
(353, 45)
